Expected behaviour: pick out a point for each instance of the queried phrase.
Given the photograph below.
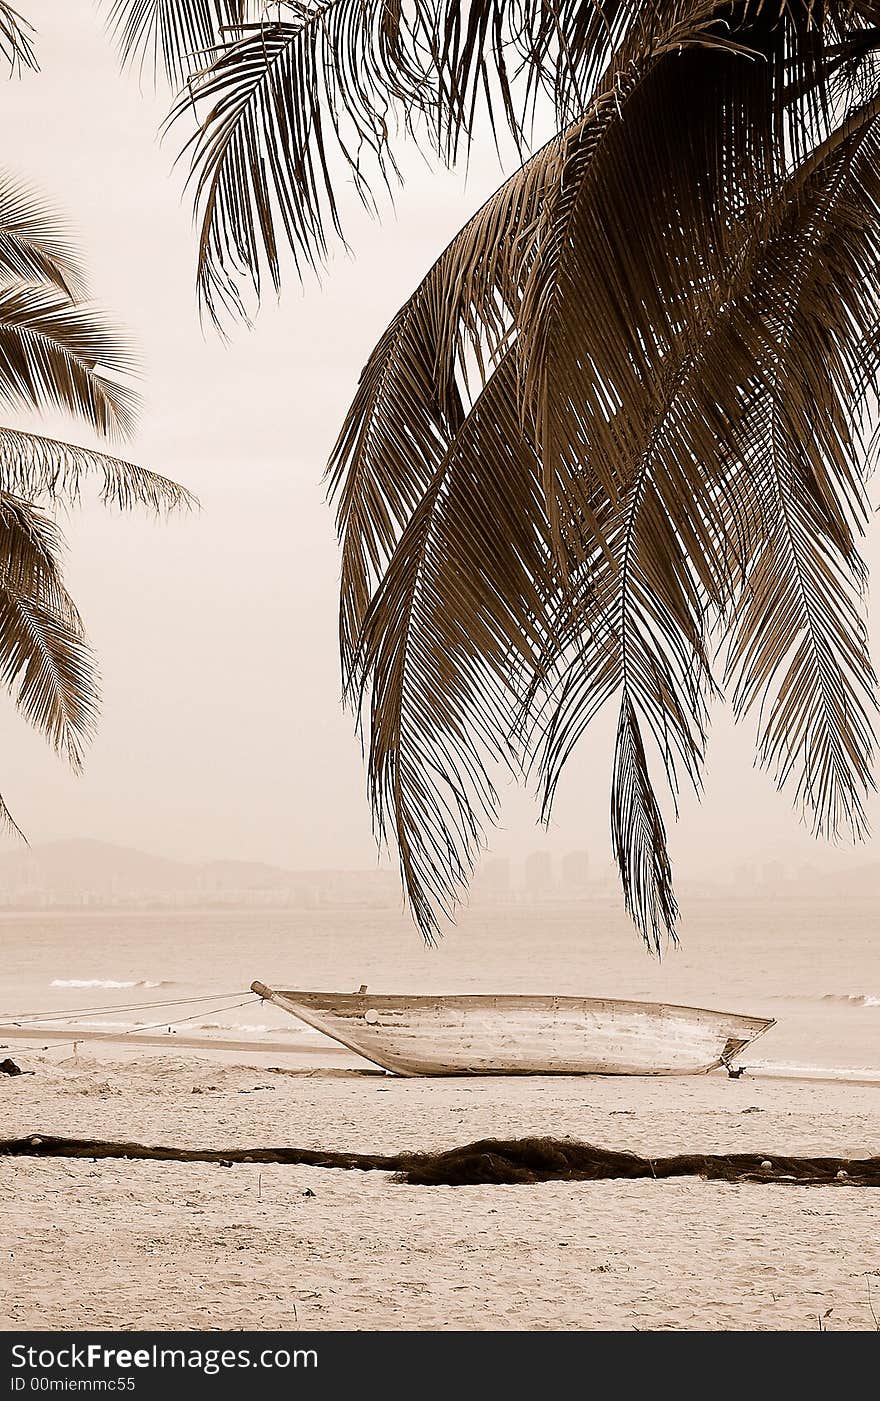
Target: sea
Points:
(812, 965)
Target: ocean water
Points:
(814, 966)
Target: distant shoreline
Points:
(737, 897)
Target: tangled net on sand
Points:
(490, 1160)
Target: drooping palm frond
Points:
(608, 357)
(448, 644)
(34, 245)
(171, 36)
(54, 349)
(280, 111)
(16, 34)
(57, 352)
(647, 359)
(39, 468)
(412, 396)
(292, 100)
(655, 599)
(412, 391)
(436, 703)
(799, 642)
(45, 661)
(797, 635)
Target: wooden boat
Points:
(515, 1035)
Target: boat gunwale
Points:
(542, 1000)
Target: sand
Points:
(123, 1245)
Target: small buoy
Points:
(371, 1017)
(766, 1165)
(841, 1175)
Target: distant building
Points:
(773, 877)
(576, 870)
(538, 873)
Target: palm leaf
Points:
(654, 525)
(279, 109)
(286, 103)
(55, 352)
(34, 246)
(172, 35)
(635, 241)
(44, 659)
(799, 645)
(34, 467)
(798, 637)
(412, 395)
(449, 642)
(15, 38)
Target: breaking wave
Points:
(109, 983)
(853, 999)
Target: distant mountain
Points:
(86, 872)
(81, 864)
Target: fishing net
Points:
(490, 1160)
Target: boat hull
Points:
(517, 1035)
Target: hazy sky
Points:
(222, 733)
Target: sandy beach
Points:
(125, 1245)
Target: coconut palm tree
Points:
(55, 352)
(613, 450)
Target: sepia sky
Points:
(222, 734)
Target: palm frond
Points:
(16, 45)
(34, 245)
(279, 110)
(56, 352)
(744, 388)
(799, 644)
(610, 324)
(449, 641)
(293, 98)
(286, 104)
(35, 467)
(638, 835)
(8, 822)
(171, 36)
(626, 310)
(45, 661)
(412, 395)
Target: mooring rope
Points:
(180, 1020)
(133, 1031)
(24, 1018)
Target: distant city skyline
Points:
(88, 874)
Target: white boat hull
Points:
(510, 1035)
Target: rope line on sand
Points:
(24, 1018)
